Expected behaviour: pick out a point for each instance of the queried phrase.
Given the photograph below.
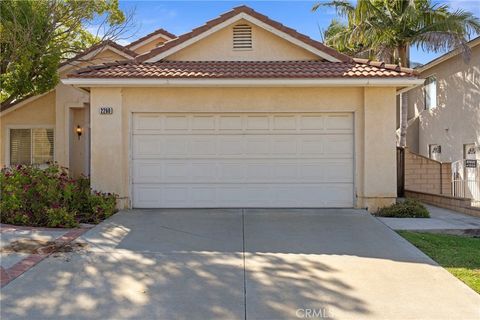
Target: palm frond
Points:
(342, 7)
(438, 41)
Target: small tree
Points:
(36, 36)
(387, 28)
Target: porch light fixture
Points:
(79, 131)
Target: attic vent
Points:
(242, 37)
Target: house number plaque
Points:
(106, 110)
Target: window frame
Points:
(430, 150)
(425, 86)
(465, 149)
(36, 126)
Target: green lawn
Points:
(460, 255)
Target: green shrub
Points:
(50, 197)
(409, 208)
(60, 217)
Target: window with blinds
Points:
(242, 37)
(31, 146)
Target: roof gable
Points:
(253, 17)
(150, 41)
(98, 50)
(262, 45)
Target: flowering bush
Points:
(50, 197)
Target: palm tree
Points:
(388, 28)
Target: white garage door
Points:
(242, 160)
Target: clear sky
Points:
(180, 17)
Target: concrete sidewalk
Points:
(440, 219)
(239, 264)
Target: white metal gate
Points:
(466, 179)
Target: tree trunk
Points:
(404, 62)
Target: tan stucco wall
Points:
(458, 110)
(56, 109)
(219, 46)
(110, 160)
(379, 167)
(149, 45)
(79, 153)
(67, 97)
(37, 113)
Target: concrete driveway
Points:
(240, 264)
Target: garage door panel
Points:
(203, 123)
(176, 123)
(257, 145)
(285, 123)
(338, 145)
(230, 145)
(339, 123)
(243, 195)
(284, 145)
(229, 171)
(242, 146)
(203, 146)
(311, 145)
(148, 122)
(312, 122)
(242, 160)
(145, 146)
(258, 171)
(202, 195)
(254, 123)
(253, 170)
(230, 123)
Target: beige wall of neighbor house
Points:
(265, 46)
(40, 112)
(456, 119)
(375, 178)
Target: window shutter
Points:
(242, 37)
(20, 146)
(42, 145)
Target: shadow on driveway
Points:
(237, 264)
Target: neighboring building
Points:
(444, 113)
(43, 128)
(242, 112)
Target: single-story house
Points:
(240, 112)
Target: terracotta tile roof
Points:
(244, 69)
(235, 11)
(105, 43)
(154, 33)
